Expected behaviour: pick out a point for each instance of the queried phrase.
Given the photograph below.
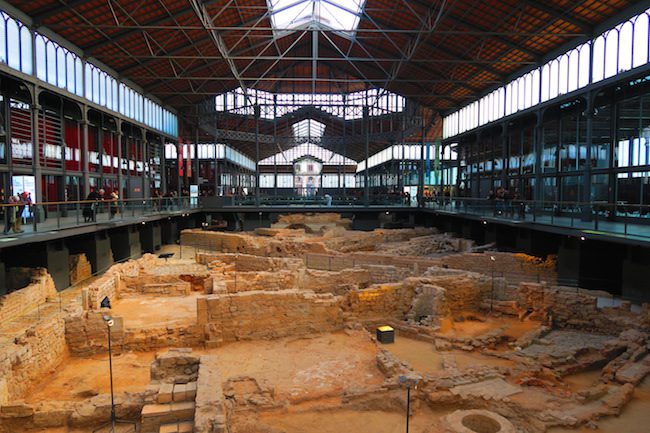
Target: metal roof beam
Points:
(541, 6)
(53, 10)
(499, 39)
(132, 31)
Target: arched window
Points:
(563, 75)
(13, 44)
(70, 72)
(41, 58)
(535, 87)
(546, 82)
(554, 79)
(26, 50)
(78, 67)
(96, 90)
(51, 63)
(625, 39)
(611, 53)
(60, 67)
(583, 67)
(640, 41)
(3, 39)
(599, 59)
(574, 70)
(89, 81)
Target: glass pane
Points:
(70, 73)
(13, 44)
(599, 59)
(611, 54)
(3, 39)
(640, 41)
(625, 47)
(60, 67)
(41, 61)
(26, 50)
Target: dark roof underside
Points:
(441, 53)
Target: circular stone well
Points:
(477, 421)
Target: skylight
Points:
(308, 128)
(289, 156)
(338, 15)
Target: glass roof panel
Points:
(339, 15)
(308, 128)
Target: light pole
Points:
(114, 421)
(492, 259)
(409, 381)
(109, 324)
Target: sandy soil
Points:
(118, 429)
(338, 421)
(512, 327)
(584, 380)
(149, 311)
(635, 417)
(423, 356)
(301, 369)
(78, 376)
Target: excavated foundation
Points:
(275, 332)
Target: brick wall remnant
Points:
(267, 315)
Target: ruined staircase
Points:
(173, 412)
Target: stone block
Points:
(16, 410)
(165, 395)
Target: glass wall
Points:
(61, 67)
(616, 50)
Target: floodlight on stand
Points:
(492, 259)
(409, 381)
(111, 426)
(109, 321)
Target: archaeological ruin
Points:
(275, 331)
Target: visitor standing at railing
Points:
(114, 204)
(491, 197)
(17, 213)
(90, 208)
(10, 214)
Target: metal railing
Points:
(20, 218)
(319, 201)
(599, 217)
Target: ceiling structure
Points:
(442, 53)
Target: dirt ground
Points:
(512, 327)
(149, 311)
(337, 421)
(298, 369)
(80, 378)
(635, 417)
(423, 356)
(306, 368)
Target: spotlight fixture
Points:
(582, 238)
(109, 321)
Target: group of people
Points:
(93, 201)
(13, 213)
(504, 202)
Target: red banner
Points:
(179, 152)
